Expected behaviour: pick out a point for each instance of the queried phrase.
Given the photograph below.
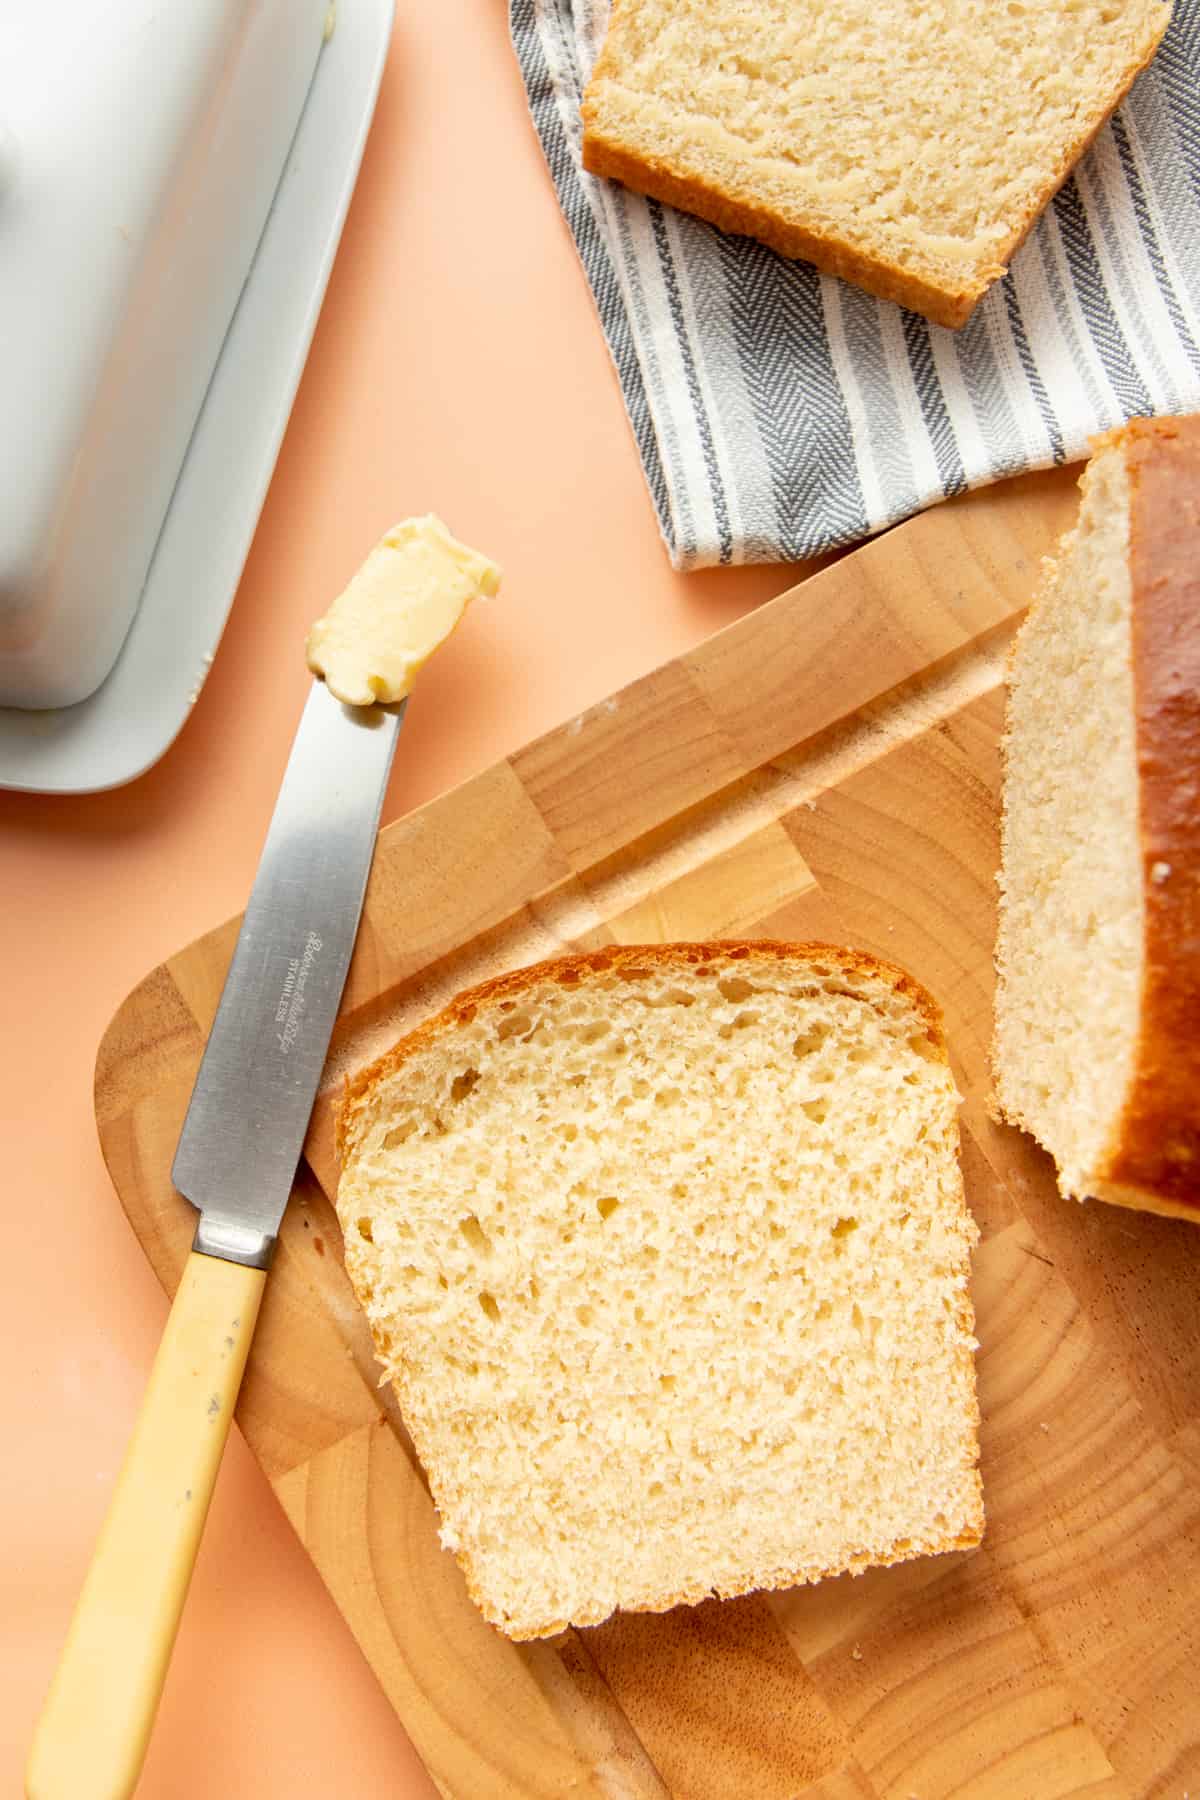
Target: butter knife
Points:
(235, 1163)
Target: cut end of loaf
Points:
(666, 1253)
(904, 148)
(1068, 949)
(1095, 1049)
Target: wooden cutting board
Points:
(825, 768)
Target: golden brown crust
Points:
(1155, 1154)
(576, 968)
(653, 177)
(1139, 1199)
(887, 280)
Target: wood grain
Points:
(825, 768)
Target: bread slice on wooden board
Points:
(666, 1253)
(1097, 1041)
(907, 148)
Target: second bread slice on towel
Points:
(907, 148)
(666, 1253)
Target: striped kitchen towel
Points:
(779, 412)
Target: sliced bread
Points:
(907, 148)
(1097, 1038)
(666, 1253)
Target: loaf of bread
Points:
(666, 1253)
(907, 148)
(1097, 1041)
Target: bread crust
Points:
(653, 177)
(574, 970)
(940, 303)
(1153, 1159)
(1139, 1199)
(576, 967)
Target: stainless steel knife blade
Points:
(250, 1107)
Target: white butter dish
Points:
(150, 406)
(144, 144)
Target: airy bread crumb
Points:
(1070, 935)
(666, 1253)
(905, 147)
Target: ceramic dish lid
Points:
(140, 149)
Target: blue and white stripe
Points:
(779, 413)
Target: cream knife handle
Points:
(92, 1735)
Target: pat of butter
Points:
(405, 600)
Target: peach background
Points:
(458, 366)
